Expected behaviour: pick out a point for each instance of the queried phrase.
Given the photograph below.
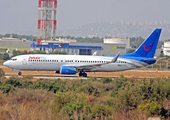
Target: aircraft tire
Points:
(80, 74)
(84, 74)
(19, 73)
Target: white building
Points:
(60, 40)
(117, 41)
(166, 48)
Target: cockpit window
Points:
(14, 59)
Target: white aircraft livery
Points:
(72, 64)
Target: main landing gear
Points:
(82, 74)
(19, 73)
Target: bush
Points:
(20, 96)
(114, 92)
(75, 106)
(12, 82)
(153, 108)
(2, 73)
(63, 99)
(128, 98)
(106, 80)
(7, 88)
(101, 110)
(6, 56)
(26, 84)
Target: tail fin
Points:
(148, 47)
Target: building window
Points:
(67, 50)
(75, 50)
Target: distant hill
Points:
(118, 29)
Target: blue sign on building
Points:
(65, 45)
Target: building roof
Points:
(112, 39)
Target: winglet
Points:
(95, 53)
(115, 58)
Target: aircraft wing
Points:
(97, 65)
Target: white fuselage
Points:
(42, 62)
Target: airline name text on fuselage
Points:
(37, 58)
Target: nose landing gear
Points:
(19, 73)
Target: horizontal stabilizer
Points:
(152, 59)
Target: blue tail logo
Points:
(144, 46)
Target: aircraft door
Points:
(24, 60)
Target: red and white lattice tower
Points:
(47, 20)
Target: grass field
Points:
(24, 98)
(122, 98)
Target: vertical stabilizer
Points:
(148, 47)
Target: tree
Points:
(131, 50)
(6, 56)
(136, 41)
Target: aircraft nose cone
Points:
(6, 63)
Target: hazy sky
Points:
(23, 14)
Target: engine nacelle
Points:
(68, 70)
(56, 71)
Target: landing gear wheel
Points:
(80, 74)
(19, 73)
(84, 75)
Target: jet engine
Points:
(68, 70)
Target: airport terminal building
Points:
(75, 48)
(70, 46)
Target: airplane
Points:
(72, 64)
